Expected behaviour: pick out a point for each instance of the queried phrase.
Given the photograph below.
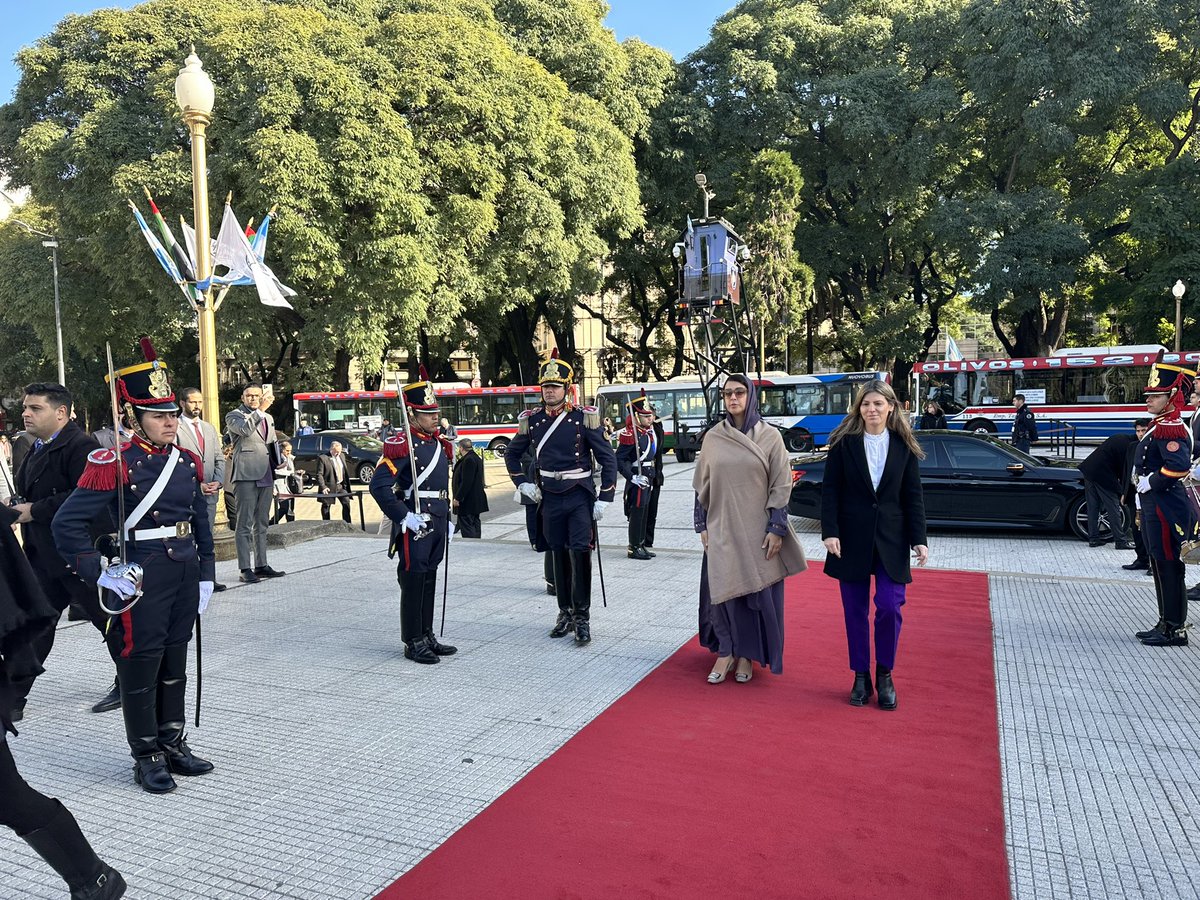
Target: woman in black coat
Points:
(933, 417)
(872, 513)
(45, 824)
(470, 495)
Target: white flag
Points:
(235, 253)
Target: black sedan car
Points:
(362, 453)
(975, 481)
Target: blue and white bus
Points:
(806, 408)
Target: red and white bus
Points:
(1098, 390)
(487, 415)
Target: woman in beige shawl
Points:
(743, 482)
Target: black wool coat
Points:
(872, 525)
(1106, 464)
(45, 479)
(469, 489)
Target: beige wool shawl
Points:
(738, 478)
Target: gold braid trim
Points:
(591, 419)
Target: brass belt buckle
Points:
(558, 476)
(183, 529)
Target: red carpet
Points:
(777, 788)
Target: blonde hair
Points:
(897, 421)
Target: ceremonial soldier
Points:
(169, 542)
(412, 487)
(1161, 461)
(640, 461)
(568, 443)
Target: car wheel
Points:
(498, 448)
(366, 472)
(1078, 521)
(685, 456)
(981, 426)
(798, 440)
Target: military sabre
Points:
(131, 572)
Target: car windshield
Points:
(362, 442)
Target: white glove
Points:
(598, 509)
(122, 587)
(641, 481)
(414, 522)
(531, 491)
(206, 592)
(1143, 484)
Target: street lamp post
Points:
(195, 95)
(1178, 291)
(51, 244)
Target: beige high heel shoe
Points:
(715, 677)
(743, 677)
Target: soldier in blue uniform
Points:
(568, 443)
(420, 524)
(640, 461)
(169, 536)
(1161, 461)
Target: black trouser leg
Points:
(637, 526)
(562, 562)
(651, 517)
(1138, 543)
(428, 596)
(23, 809)
(581, 583)
(325, 504)
(411, 600)
(1156, 569)
(61, 844)
(138, 677)
(172, 687)
(1174, 593)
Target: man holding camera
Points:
(47, 475)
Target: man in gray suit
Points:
(202, 439)
(252, 431)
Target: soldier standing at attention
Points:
(1161, 461)
(640, 461)
(170, 537)
(568, 444)
(412, 487)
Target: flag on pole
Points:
(160, 252)
(183, 262)
(233, 251)
(952, 351)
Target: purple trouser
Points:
(856, 603)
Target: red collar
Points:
(140, 442)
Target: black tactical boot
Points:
(419, 651)
(581, 594)
(138, 677)
(110, 701)
(885, 688)
(172, 686)
(61, 844)
(862, 690)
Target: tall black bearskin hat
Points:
(144, 386)
(555, 370)
(419, 395)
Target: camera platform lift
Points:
(712, 308)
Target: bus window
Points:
(471, 411)
(689, 402)
(340, 414)
(841, 396)
(506, 408)
(663, 403)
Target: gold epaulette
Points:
(523, 422)
(591, 417)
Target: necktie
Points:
(199, 436)
(38, 445)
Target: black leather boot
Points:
(110, 701)
(862, 690)
(581, 594)
(62, 845)
(427, 607)
(419, 651)
(637, 553)
(885, 688)
(138, 677)
(561, 560)
(1150, 632)
(1173, 590)
(1170, 636)
(412, 597)
(172, 687)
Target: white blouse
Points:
(877, 450)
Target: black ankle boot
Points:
(862, 690)
(152, 774)
(563, 625)
(62, 845)
(583, 629)
(419, 651)
(637, 553)
(1142, 635)
(885, 688)
(110, 701)
(439, 648)
(1170, 636)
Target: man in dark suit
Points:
(333, 477)
(1104, 477)
(47, 475)
(470, 495)
(1141, 561)
(252, 431)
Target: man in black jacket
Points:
(1141, 561)
(333, 477)
(1104, 477)
(469, 491)
(48, 474)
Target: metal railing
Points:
(1057, 437)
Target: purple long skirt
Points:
(750, 626)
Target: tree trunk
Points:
(341, 369)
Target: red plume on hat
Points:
(422, 375)
(148, 349)
(554, 353)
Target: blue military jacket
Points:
(175, 525)
(391, 485)
(571, 450)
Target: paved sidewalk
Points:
(340, 764)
